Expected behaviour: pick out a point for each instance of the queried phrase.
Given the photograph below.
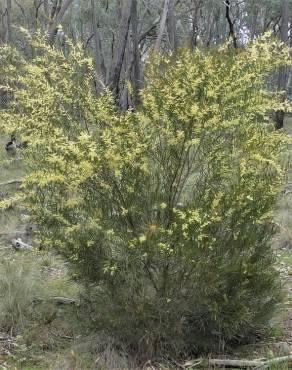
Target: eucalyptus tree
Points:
(121, 34)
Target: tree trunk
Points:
(262, 20)
(120, 47)
(2, 41)
(57, 19)
(124, 96)
(231, 24)
(254, 20)
(162, 25)
(46, 9)
(136, 79)
(3, 28)
(99, 60)
(8, 21)
(171, 26)
(194, 26)
(210, 33)
(54, 8)
(46, 13)
(282, 76)
(217, 18)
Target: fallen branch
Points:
(275, 361)
(255, 364)
(15, 181)
(223, 363)
(63, 301)
(234, 363)
(59, 301)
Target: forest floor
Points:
(46, 332)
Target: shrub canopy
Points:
(164, 212)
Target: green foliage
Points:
(163, 212)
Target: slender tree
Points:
(120, 47)
(46, 11)
(171, 26)
(2, 19)
(162, 25)
(232, 34)
(136, 75)
(8, 21)
(283, 71)
(56, 17)
(99, 60)
(194, 24)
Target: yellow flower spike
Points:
(153, 227)
(110, 232)
(142, 238)
(124, 211)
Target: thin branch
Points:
(99, 59)
(88, 41)
(148, 31)
(21, 8)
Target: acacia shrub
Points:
(164, 213)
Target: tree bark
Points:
(120, 47)
(54, 8)
(254, 19)
(136, 79)
(194, 25)
(125, 100)
(46, 9)
(57, 19)
(171, 26)
(217, 18)
(210, 32)
(8, 21)
(231, 24)
(46, 13)
(162, 25)
(3, 28)
(283, 71)
(99, 60)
